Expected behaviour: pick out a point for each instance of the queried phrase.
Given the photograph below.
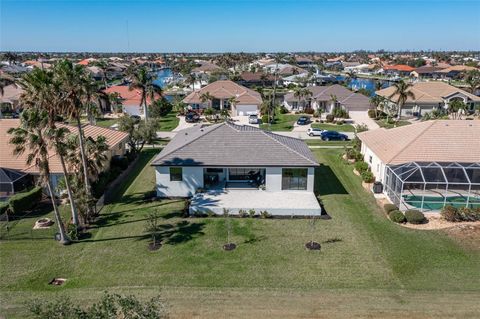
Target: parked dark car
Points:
(192, 117)
(333, 136)
(303, 120)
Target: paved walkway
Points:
(361, 117)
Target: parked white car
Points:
(314, 131)
(253, 119)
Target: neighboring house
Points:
(116, 141)
(309, 79)
(228, 166)
(284, 70)
(429, 96)
(426, 72)
(250, 79)
(130, 99)
(321, 98)
(428, 164)
(455, 71)
(9, 101)
(247, 101)
(398, 70)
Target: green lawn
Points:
(105, 122)
(283, 122)
(385, 124)
(169, 122)
(319, 142)
(368, 266)
(334, 127)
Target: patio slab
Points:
(284, 203)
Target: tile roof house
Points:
(247, 101)
(116, 141)
(429, 96)
(398, 69)
(322, 98)
(429, 144)
(130, 99)
(249, 79)
(239, 167)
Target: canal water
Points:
(360, 83)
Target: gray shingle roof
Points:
(227, 144)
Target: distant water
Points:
(368, 84)
(162, 77)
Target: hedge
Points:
(24, 201)
(414, 216)
(361, 167)
(389, 207)
(397, 216)
(3, 207)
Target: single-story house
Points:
(284, 69)
(398, 69)
(247, 101)
(10, 100)
(238, 167)
(321, 98)
(116, 141)
(455, 71)
(426, 165)
(249, 79)
(426, 71)
(429, 96)
(130, 99)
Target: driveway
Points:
(361, 117)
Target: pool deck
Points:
(283, 203)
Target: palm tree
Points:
(40, 91)
(103, 66)
(301, 93)
(403, 92)
(29, 137)
(349, 76)
(142, 79)
(207, 97)
(191, 79)
(73, 79)
(472, 78)
(278, 59)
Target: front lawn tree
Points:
(402, 91)
(139, 133)
(143, 80)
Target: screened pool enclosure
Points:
(428, 186)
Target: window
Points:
(370, 158)
(176, 174)
(294, 178)
(243, 174)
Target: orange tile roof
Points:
(399, 67)
(129, 97)
(439, 141)
(8, 160)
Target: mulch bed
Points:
(154, 246)
(312, 245)
(229, 246)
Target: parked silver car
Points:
(253, 119)
(314, 131)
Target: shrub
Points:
(160, 108)
(372, 113)
(265, 214)
(251, 213)
(450, 213)
(72, 232)
(341, 122)
(367, 176)
(120, 162)
(414, 216)
(389, 207)
(361, 167)
(397, 216)
(330, 118)
(265, 118)
(242, 213)
(3, 207)
(350, 153)
(317, 113)
(24, 201)
(309, 111)
(282, 109)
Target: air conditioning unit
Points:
(377, 188)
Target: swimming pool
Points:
(437, 202)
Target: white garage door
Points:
(244, 110)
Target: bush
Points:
(361, 167)
(282, 109)
(341, 122)
(309, 111)
(242, 213)
(160, 108)
(265, 118)
(330, 118)
(397, 216)
(265, 214)
(72, 232)
(372, 113)
(251, 213)
(367, 176)
(3, 207)
(120, 161)
(389, 208)
(414, 216)
(24, 201)
(450, 213)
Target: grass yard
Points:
(334, 127)
(169, 122)
(319, 142)
(105, 122)
(385, 124)
(368, 266)
(283, 122)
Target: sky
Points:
(241, 25)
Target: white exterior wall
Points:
(192, 179)
(273, 179)
(376, 165)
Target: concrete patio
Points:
(284, 203)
